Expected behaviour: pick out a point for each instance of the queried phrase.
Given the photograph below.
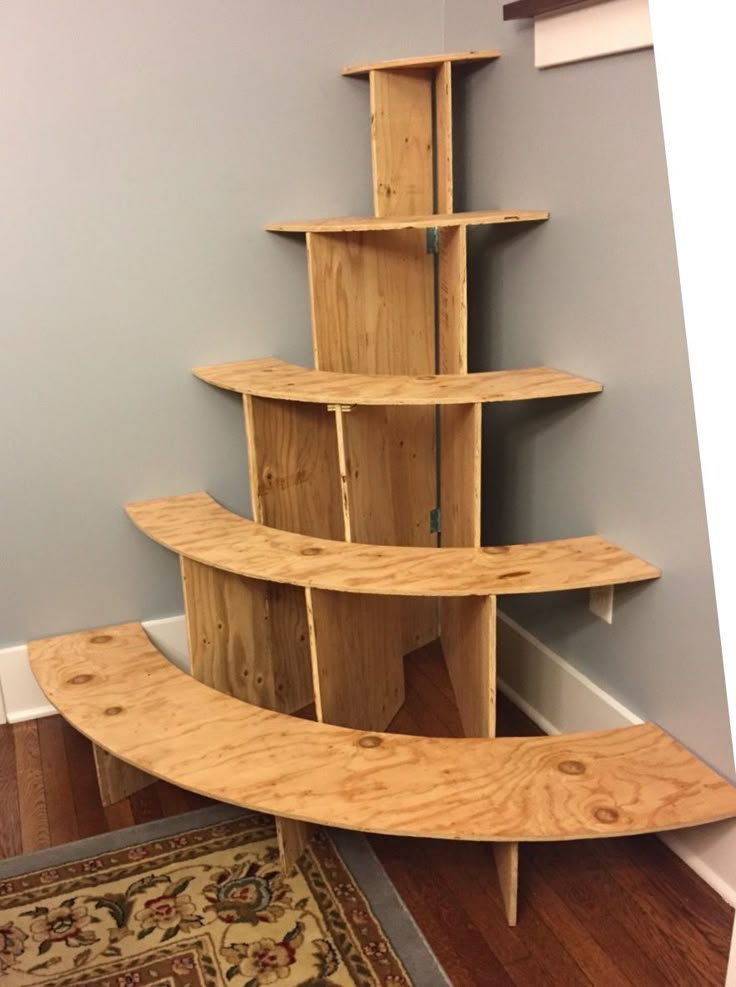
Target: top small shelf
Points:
(422, 61)
(365, 224)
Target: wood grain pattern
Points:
(443, 137)
(231, 632)
(357, 658)
(197, 527)
(293, 838)
(401, 142)
(602, 783)
(452, 320)
(460, 475)
(272, 378)
(372, 303)
(376, 224)
(373, 313)
(116, 778)
(506, 858)
(11, 840)
(296, 468)
(422, 61)
(34, 823)
(390, 487)
(469, 648)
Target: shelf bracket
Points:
(433, 240)
(601, 603)
(435, 521)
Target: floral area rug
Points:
(203, 908)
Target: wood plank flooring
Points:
(599, 913)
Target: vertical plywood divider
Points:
(117, 779)
(460, 474)
(443, 137)
(401, 142)
(357, 658)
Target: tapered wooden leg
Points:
(507, 867)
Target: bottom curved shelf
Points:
(117, 689)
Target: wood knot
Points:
(606, 815)
(571, 767)
(311, 551)
(80, 679)
(370, 741)
(113, 710)
(101, 639)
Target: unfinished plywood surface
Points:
(423, 61)
(295, 469)
(605, 783)
(460, 475)
(367, 224)
(237, 647)
(372, 303)
(390, 487)
(197, 527)
(452, 315)
(401, 142)
(506, 856)
(117, 779)
(443, 137)
(469, 648)
(272, 378)
(293, 837)
(357, 658)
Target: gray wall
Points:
(144, 147)
(594, 291)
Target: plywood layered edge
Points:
(366, 224)
(112, 685)
(197, 527)
(422, 61)
(276, 379)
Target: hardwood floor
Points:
(599, 913)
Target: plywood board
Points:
(372, 303)
(237, 647)
(272, 378)
(469, 647)
(452, 315)
(603, 783)
(357, 658)
(196, 526)
(376, 224)
(293, 837)
(443, 137)
(460, 475)
(423, 61)
(401, 142)
(506, 856)
(295, 467)
(117, 779)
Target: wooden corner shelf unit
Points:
(365, 477)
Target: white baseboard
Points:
(556, 696)
(560, 699)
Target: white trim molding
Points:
(591, 31)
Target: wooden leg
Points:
(357, 660)
(294, 837)
(117, 779)
(469, 647)
(507, 867)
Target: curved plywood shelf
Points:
(271, 378)
(115, 687)
(366, 224)
(197, 527)
(423, 62)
